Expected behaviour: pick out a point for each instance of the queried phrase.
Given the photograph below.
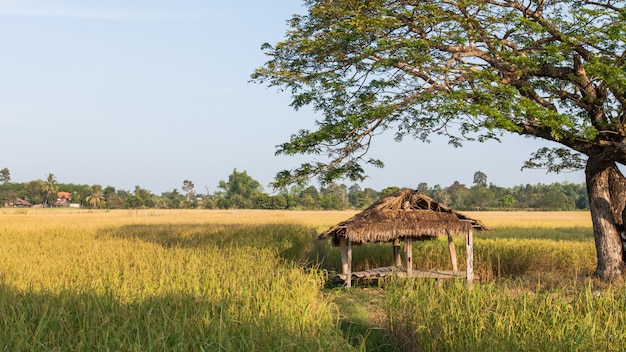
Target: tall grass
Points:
(536, 292)
(92, 281)
(425, 316)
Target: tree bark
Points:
(606, 190)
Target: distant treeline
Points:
(241, 191)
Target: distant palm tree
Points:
(96, 198)
(49, 188)
(188, 187)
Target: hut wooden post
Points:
(408, 248)
(455, 267)
(346, 259)
(469, 246)
(350, 263)
(396, 253)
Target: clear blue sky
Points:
(151, 93)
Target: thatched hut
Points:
(404, 215)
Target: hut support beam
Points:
(346, 259)
(396, 253)
(408, 249)
(469, 249)
(455, 266)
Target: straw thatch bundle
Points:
(403, 214)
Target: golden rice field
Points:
(251, 280)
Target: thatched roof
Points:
(406, 213)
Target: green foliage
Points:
(467, 70)
(96, 199)
(171, 200)
(555, 160)
(133, 202)
(144, 198)
(222, 203)
(480, 196)
(265, 201)
(359, 198)
(240, 190)
(389, 190)
(5, 176)
(189, 189)
(508, 201)
(480, 179)
(48, 189)
(331, 197)
(505, 317)
(556, 196)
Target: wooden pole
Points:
(408, 248)
(346, 259)
(396, 253)
(350, 263)
(455, 267)
(469, 246)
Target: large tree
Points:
(470, 70)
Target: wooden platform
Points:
(393, 270)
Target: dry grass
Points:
(532, 219)
(317, 219)
(159, 280)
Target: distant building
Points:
(63, 199)
(22, 203)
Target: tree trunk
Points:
(606, 190)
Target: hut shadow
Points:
(363, 319)
(95, 320)
(291, 241)
(69, 319)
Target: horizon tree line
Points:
(241, 191)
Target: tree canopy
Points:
(464, 69)
(5, 176)
(469, 70)
(49, 188)
(240, 189)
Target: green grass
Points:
(505, 317)
(363, 318)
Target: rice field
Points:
(217, 280)
(162, 281)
